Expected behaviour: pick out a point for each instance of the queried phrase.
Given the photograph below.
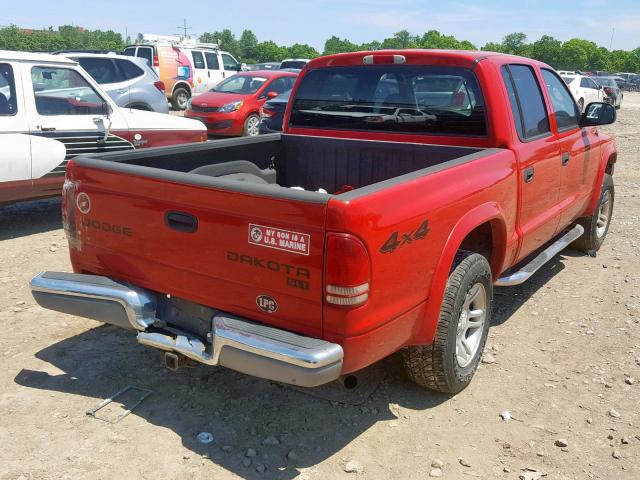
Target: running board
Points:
(543, 257)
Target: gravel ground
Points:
(564, 359)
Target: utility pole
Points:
(184, 28)
(613, 31)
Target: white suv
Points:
(584, 89)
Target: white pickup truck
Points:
(52, 110)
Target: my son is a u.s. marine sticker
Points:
(279, 239)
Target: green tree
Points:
(226, 39)
(298, 50)
(515, 44)
(248, 46)
(547, 49)
(401, 39)
(339, 45)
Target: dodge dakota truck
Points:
(404, 187)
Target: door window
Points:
(102, 70)
(530, 104)
(588, 83)
(8, 104)
(146, 53)
(63, 91)
(198, 59)
(229, 62)
(212, 60)
(130, 51)
(279, 85)
(564, 107)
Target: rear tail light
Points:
(266, 113)
(347, 273)
(156, 62)
(159, 85)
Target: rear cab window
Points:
(391, 98)
(8, 103)
(527, 103)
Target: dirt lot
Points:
(566, 348)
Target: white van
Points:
(186, 67)
(52, 110)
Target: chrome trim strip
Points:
(543, 257)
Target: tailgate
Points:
(254, 255)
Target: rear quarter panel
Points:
(402, 279)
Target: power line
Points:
(184, 28)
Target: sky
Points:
(312, 22)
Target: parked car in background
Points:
(264, 66)
(130, 81)
(612, 91)
(232, 108)
(584, 89)
(293, 63)
(51, 110)
(185, 66)
(566, 72)
(272, 113)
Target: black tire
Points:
(250, 129)
(594, 235)
(581, 105)
(179, 98)
(436, 366)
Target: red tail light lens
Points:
(347, 274)
(159, 85)
(156, 62)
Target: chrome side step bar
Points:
(543, 257)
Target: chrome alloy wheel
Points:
(253, 126)
(182, 99)
(604, 214)
(470, 324)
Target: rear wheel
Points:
(252, 126)
(180, 98)
(597, 225)
(449, 363)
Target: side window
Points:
(229, 62)
(198, 59)
(146, 53)
(8, 104)
(129, 69)
(63, 91)
(564, 107)
(290, 82)
(130, 51)
(513, 101)
(212, 60)
(102, 70)
(530, 103)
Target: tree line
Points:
(574, 54)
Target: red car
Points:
(232, 107)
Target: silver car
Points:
(130, 81)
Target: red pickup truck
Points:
(406, 184)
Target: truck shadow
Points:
(507, 300)
(240, 411)
(28, 218)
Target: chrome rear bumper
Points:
(233, 342)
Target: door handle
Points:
(47, 129)
(181, 221)
(565, 159)
(528, 174)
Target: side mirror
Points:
(598, 113)
(106, 109)
(238, 67)
(271, 95)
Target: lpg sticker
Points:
(279, 239)
(267, 304)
